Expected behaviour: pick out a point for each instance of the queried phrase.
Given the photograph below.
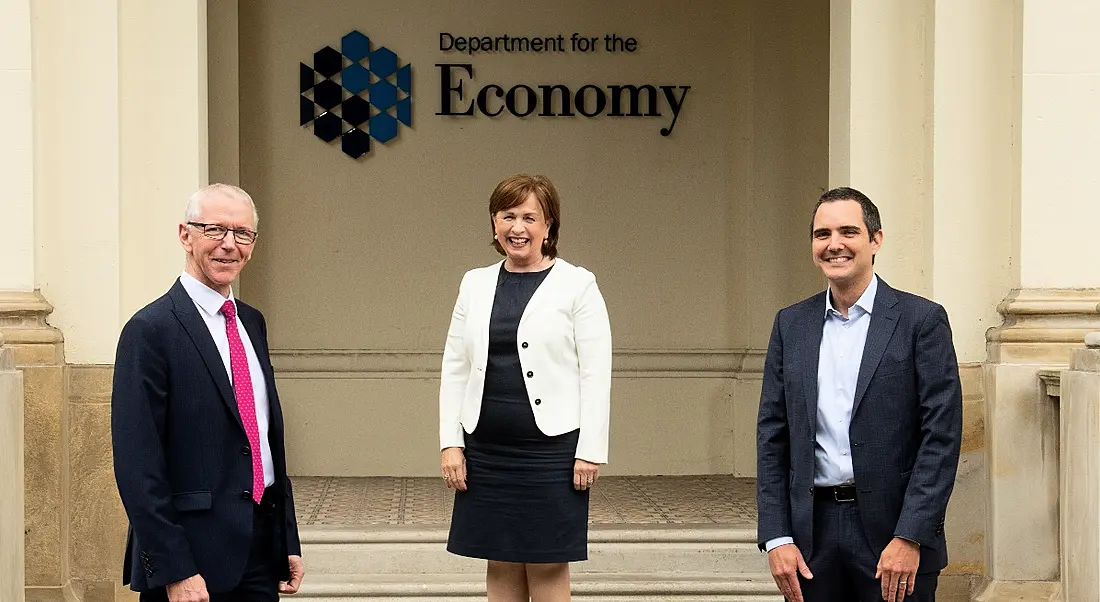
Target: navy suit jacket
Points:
(182, 459)
(905, 433)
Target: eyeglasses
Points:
(243, 236)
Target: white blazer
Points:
(564, 340)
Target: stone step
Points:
(622, 587)
(611, 549)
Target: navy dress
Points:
(520, 505)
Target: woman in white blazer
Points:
(524, 401)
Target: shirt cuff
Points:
(778, 541)
(912, 541)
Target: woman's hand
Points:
(584, 474)
(454, 468)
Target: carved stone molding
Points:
(628, 363)
(1043, 326)
(24, 328)
(1052, 382)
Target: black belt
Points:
(843, 494)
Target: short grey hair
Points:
(194, 204)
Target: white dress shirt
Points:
(842, 342)
(210, 304)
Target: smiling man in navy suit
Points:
(197, 428)
(860, 426)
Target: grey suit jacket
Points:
(905, 433)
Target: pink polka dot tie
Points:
(246, 399)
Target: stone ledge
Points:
(24, 303)
(628, 363)
(644, 586)
(437, 534)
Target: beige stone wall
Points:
(967, 511)
(672, 413)
(38, 354)
(696, 239)
(97, 521)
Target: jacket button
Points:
(811, 490)
(246, 451)
(247, 495)
(530, 374)
(525, 344)
(538, 401)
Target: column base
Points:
(83, 591)
(1021, 591)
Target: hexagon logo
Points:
(356, 94)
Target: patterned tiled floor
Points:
(708, 499)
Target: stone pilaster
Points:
(1041, 329)
(37, 350)
(11, 475)
(1080, 474)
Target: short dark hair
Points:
(513, 192)
(871, 219)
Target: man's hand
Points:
(297, 573)
(786, 564)
(191, 589)
(897, 568)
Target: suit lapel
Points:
(192, 322)
(884, 319)
(814, 321)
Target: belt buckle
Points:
(842, 496)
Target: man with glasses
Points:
(197, 428)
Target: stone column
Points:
(16, 146)
(1080, 474)
(880, 103)
(11, 477)
(922, 115)
(1056, 300)
(112, 171)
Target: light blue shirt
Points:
(842, 342)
